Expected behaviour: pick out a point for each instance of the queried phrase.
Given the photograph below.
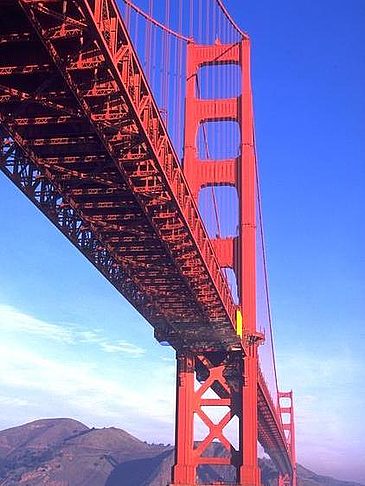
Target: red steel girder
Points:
(45, 120)
(13, 94)
(53, 204)
(26, 69)
(166, 175)
(16, 37)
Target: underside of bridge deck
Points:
(75, 101)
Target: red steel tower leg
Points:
(284, 480)
(249, 474)
(184, 470)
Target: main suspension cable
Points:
(154, 21)
(231, 20)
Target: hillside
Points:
(64, 452)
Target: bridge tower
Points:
(231, 375)
(286, 408)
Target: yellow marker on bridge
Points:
(239, 323)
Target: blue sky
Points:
(71, 346)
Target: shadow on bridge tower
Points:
(222, 379)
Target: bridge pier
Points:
(210, 394)
(184, 468)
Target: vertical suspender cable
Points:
(179, 81)
(200, 21)
(207, 156)
(148, 41)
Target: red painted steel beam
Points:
(125, 130)
(249, 473)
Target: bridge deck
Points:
(74, 98)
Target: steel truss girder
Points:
(158, 188)
(45, 196)
(15, 38)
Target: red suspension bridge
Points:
(130, 126)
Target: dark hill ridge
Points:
(65, 452)
(41, 433)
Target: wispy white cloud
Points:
(137, 400)
(122, 347)
(76, 381)
(326, 392)
(14, 321)
(13, 402)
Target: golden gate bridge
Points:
(130, 126)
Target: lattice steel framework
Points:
(79, 106)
